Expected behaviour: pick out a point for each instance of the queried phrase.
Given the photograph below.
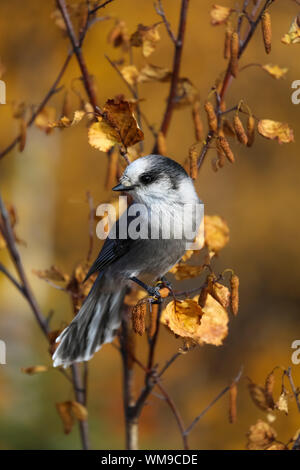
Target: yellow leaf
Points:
(80, 412)
(216, 232)
(34, 369)
(276, 130)
(116, 125)
(43, 119)
(219, 14)
(275, 71)
(64, 121)
(146, 37)
(185, 271)
(102, 136)
(200, 325)
(153, 72)
(260, 436)
(282, 403)
(130, 74)
(52, 274)
(186, 93)
(293, 36)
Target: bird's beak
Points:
(122, 187)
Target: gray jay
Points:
(164, 189)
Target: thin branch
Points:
(225, 390)
(228, 76)
(161, 12)
(94, 10)
(41, 106)
(288, 373)
(11, 278)
(175, 71)
(131, 418)
(78, 52)
(43, 322)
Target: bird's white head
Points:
(157, 179)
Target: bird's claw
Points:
(155, 296)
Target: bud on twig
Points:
(239, 130)
(266, 31)
(211, 116)
(234, 52)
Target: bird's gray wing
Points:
(112, 249)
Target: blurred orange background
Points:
(258, 197)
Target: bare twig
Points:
(175, 71)
(41, 106)
(76, 44)
(43, 322)
(288, 373)
(161, 12)
(228, 76)
(225, 390)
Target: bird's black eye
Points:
(147, 178)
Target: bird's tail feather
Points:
(95, 324)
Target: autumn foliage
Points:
(200, 313)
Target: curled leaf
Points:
(116, 125)
(260, 436)
(275, 130)
(216, 232)
(64, 121)
(219, 14)
(43, 119)
(186, 271)
(293, 35)
(34, 369)
(200, 325)
(146, 37)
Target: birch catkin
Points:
(234, 284)
(266, 31)
(211, 116)
(234, 54)
(239, 130)
(224, 146)
(193, 157)
(138, 315)
(228, 34)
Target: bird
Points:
(164, 204)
